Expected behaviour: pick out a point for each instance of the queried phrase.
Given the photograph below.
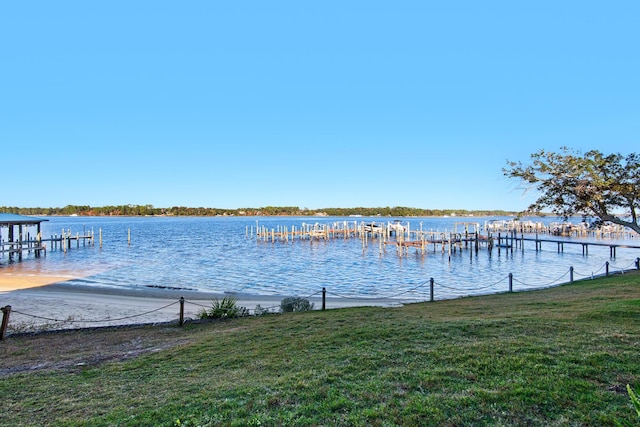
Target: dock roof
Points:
(7, 219)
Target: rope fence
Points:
(431, 283)
(544, 285)
(97, 321)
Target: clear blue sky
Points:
(234, 104)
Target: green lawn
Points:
(561, 356)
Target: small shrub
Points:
(291, 304)
(226, 307)
(259, 311)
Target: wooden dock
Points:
(20, 241)
(565, 229)
(38, 245)
(612, 245)
(398, 235)
(403, 238)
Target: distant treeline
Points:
(149, 210)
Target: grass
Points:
(561, 356)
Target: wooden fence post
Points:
(5, 321)
(181, 322)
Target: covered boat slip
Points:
(18, 237)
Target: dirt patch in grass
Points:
(75, 349)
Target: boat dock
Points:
(514, 241)
(465, 235)
(21, 241)
(564, 229)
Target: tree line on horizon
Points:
(150, 210)
(593, 184)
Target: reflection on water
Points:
(216, 255)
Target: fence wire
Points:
(531, 285)
(631, 266)
(96, 321)
(592, 274)
(379, 297)
(472, 289)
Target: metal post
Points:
(324, 299)
(607, 267)
(571, 274)
(181, 322)
(510, 282)
(5, 321)
(431, 287)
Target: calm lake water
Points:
(214, 254)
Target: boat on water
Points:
(396, 227)
(371, 227)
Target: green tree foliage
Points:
(605, 186)
(149, 210)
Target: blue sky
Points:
(309, 104)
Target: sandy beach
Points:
(45, 301)
(25, 279)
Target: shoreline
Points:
(42, 303)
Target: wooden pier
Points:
(20, 241)
(565, 229)
(396, 234)
(512, 241)
(403, 238)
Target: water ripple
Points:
(216, 255)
